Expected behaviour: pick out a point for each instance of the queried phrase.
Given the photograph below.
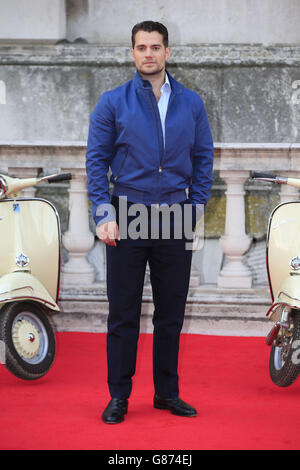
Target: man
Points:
(154, 135)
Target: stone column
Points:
(195, 277)
(78, 239)
(235, 242)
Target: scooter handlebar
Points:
(276, 179)
(10, 186)
(269, 177)
(57, 178)
(256, 175)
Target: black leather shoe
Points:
(115, 411)
(175, 405)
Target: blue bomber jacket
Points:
(125, 136)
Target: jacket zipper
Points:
(170, 102)
(153, 108)
(163, 155)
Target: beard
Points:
(148, 73)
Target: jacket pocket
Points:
(187, 162)
(121, 166)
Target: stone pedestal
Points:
(78, 239)
(235, 242)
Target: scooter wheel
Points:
(28, 338)
(284, 364)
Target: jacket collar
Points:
(138, 81)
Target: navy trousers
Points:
(170, 264)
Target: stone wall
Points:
(248, 89)
(190, 22)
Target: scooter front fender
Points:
(21, 285)
(288, 296)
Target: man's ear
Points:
(168, 53)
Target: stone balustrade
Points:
(234, 285)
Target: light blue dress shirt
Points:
(163, 102)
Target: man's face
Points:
(149, 53)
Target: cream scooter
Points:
(29, 277)
(283, 268)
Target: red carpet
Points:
(225, 378)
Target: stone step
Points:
(209, 310)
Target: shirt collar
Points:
(167, 82)
(176, 87)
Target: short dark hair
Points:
(149, 27)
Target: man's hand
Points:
(108, 233)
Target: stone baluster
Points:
(78, 239)
(235, 242)
(195, 277)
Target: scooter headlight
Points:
(295, 263)
(3, 187)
